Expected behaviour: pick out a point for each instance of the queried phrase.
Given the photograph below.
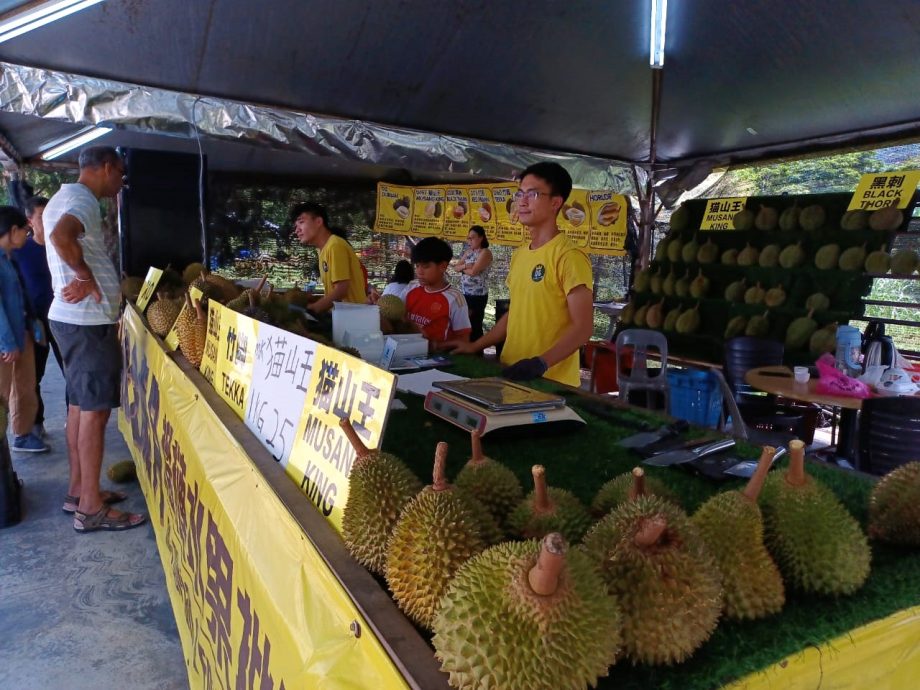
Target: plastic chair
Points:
(739, 428)
(889, 433)
(633, 374)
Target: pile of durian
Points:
(540, 591)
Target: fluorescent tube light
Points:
(84, 137)
(657, 33)
(41, 15)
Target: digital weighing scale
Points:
(494, 403)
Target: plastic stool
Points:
(639, 378)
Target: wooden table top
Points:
(788, 388)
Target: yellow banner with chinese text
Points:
(255, 602)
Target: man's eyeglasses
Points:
(531, 194)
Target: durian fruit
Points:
(767, 219)
(675, 249)
(490, 482)
(639, 316)
(878, 261)
(904, 262)
(812, 218)
(131, 287)
(894, 506)
(661, 249)
(886, 219)
(789, 218)
(748, 256)
(680, 219)
(729, 257)
(379, 487)
(689, 251)
(667, 287)
(656, 564)
(775, 296)
(436, 533)
(689, 321)
(548, 509)
(209, 291)
(628, 486)
(826, 257)
(670, 321)
(735, 327)
(852, 259)
(628, 314)
(643, 280)
(743, 220)
(192, 329)
(823, 340)
(700, 286)
(817, 544)
(257, 309)
(792, 256)
(854, 220)
(297, 297)
(122, 472)
(391, 308)
(192, 271)
(735, 291)
(769, 256)
(800, 330)
(162, 314)
(171, 282)
(656, 283)
(527, 615)
(682, 286)
(226, 288)
(708, 253)
(754, 295)
(241, 302)
(732, 527)
(654, 317)
(818, 301)
(758, 326)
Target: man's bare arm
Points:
(65, 238)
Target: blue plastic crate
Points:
(695, 396)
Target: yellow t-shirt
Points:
(540, 280)
(338, 261)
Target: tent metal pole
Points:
(647, 200)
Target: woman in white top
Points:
(473, 267)
(399, 284)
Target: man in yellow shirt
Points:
(339, 267)
(551, 314)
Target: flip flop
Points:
(103, 521)
(72, 503)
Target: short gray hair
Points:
(98, 156)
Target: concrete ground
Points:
(81, 611)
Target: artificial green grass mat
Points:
(583, 460)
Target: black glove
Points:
(525, 369)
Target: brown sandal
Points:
(72, 503)
(104, 520)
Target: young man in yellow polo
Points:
(551, 312)
(339, 267)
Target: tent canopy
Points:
(741, 81)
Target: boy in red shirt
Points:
(436, 308)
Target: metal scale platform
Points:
(494, 403)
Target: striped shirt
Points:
(78, 201)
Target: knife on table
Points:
(646, 438)
(675, 457)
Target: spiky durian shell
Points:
(493, 631)
(732, 527)
(433, 537)
(817, 544)
(494, 485)
(894, 506)
(570, 517)
(162, 314)
(192, 332)
(380, 486)
(489, 529)
(226, 289)
(670, 592)
(616, 491)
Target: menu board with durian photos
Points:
(482, 209)
(609, 213)
(508, 229)
(428, 211)
(394, 208)
(573, 218)
(457, 216)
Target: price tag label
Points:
(341, 387)
(280, 379)
(720, 213)
(172, 338)
(880, 190)
(149, 287)
(235, 359)
(208, 366)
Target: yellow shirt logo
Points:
(538, 272)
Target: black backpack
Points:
(10, 489)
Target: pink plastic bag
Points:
(835, 382)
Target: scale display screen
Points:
(499, 395)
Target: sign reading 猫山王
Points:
(880, 190)
(720, 213)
